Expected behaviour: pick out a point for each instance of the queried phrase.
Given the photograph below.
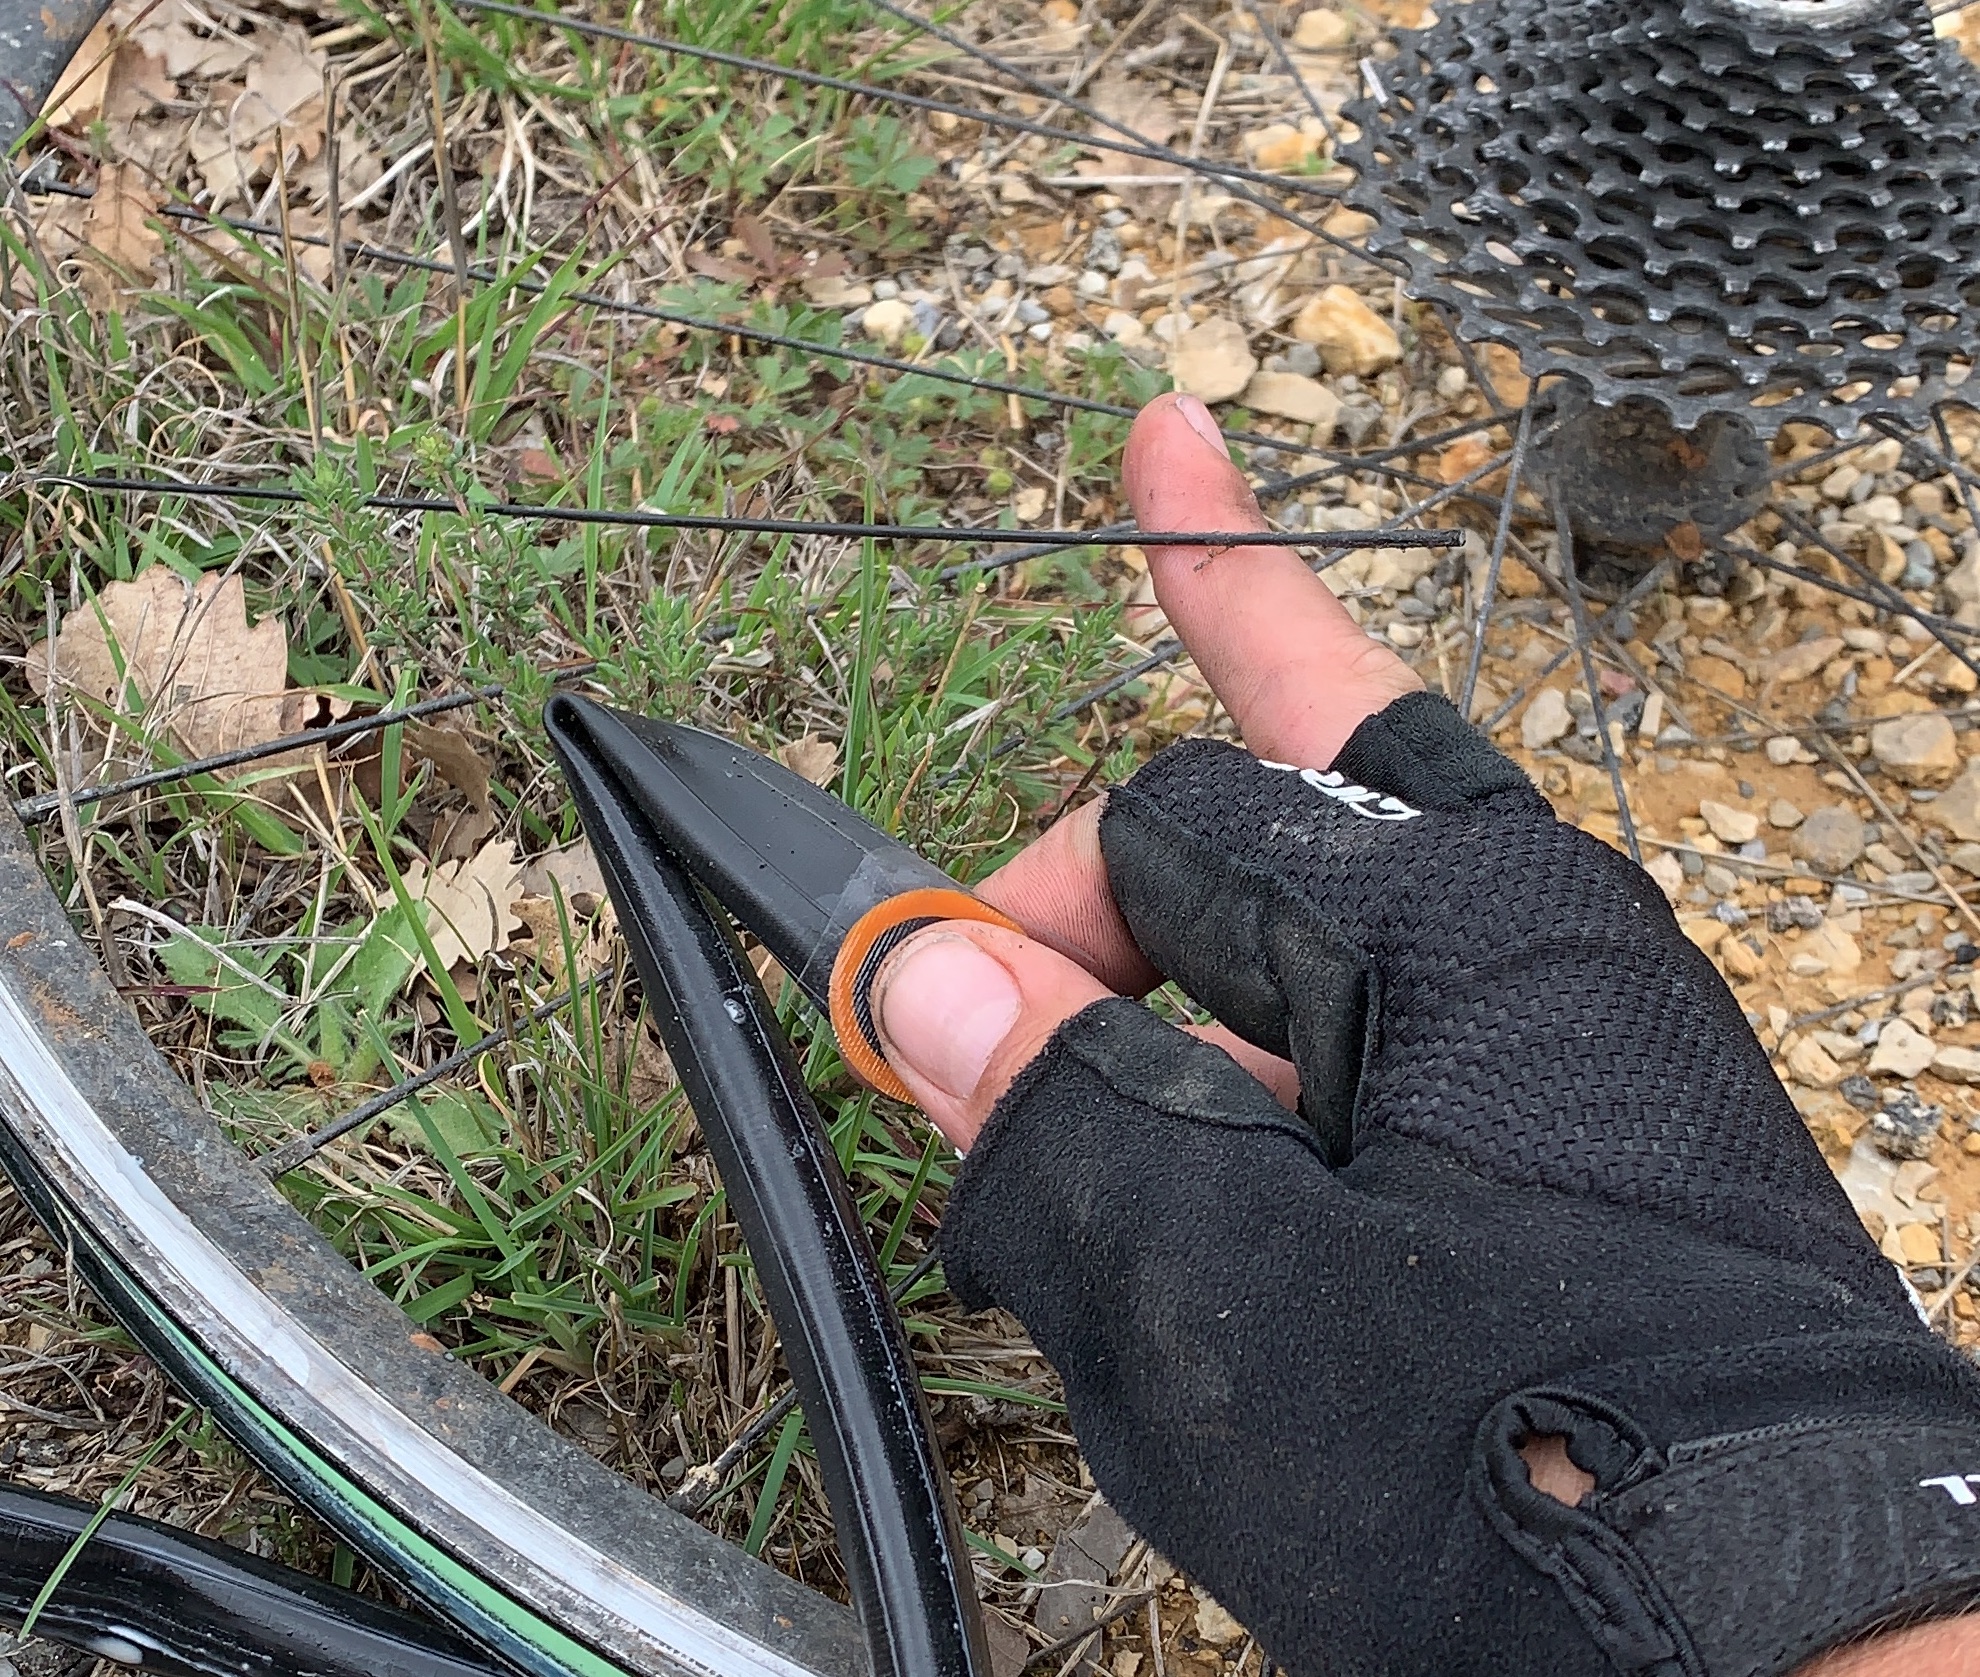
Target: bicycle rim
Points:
(524, 1540)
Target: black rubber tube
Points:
(897, 1526)
(160, 1599)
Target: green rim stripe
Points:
(419, 1555)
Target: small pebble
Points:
(885, 288)
(1905, 1127)
(1859, 1091)
(1452, 383)
(1304, 360)
(1837, 485)
(1830, 839)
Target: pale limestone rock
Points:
(1668, 872)
(1957, 808)
(1289, 396)
(1799, 662)
(1957, 1065)
(1902, 1051)
(1729, 825)
(1351, 337)
(1811, 1065)
(887, 321)
(1322, 30)
(1921, 749)
(1830, 840)
(1545, 720)
(1213, 361)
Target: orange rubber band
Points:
(930, 903)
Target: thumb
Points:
(963, 1007)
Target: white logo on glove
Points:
(1376, 806)
(1958, 1486)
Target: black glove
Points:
(1544, 1182)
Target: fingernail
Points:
(943, 1007)
(1197, 417)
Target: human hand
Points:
(1543, 1185)
(1297, 675)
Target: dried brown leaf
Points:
(285, 79)
(187, 43)
(119, 238)
(593, 941)
(756, 239)
(460, 833)
(1137, 106)
(815, 758)
(574, 870)
(468, 912)
(181, 658)
(77, 98)
(460, 764)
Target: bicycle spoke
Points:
(360, 250)
(1495, 562)
(36, 809)
(639, 519)
(1290, 65)
(278, 1161)
(1883, 594)
(1564, 538)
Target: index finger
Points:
(1296, 672)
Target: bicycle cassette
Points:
(1763, 207)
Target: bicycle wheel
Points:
(502, 1525)
(515, 1534)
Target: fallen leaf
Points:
(174, 33)
(632, 1052)
(284, 80)
(539, 465)
(720, 267)
(192, 668)
(757, 241)
(460, 833)
(593, 941)
(723, 424)
(120, 239)
(79, 93)
(1137, 109)
(815, 758)
(573, 870)
(281, 102)
(454, 755)
(468, 913)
